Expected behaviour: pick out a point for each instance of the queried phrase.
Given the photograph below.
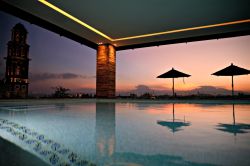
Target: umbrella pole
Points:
(173, 113)
(173, 88)
(232, 86)
(233, 114)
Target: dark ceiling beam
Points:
(185, 40)
(62, 32)
(44, 24)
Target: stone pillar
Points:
(105, 71)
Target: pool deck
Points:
(13, 155)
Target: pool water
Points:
(129, 133)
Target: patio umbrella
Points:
(173, 74)
(232, 70)
(174, 125)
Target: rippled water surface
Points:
(129, 133)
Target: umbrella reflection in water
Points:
(174, 125)
(235, 128)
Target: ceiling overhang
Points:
(93, 23)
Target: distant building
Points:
(17, 64)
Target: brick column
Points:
(105, 71)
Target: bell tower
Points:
(17, 63)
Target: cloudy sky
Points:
(60, 61)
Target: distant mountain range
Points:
(208, 90)
(141, 89)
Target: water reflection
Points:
(174, 125)
(133, 159)
(61, 106)
(235, 128)
(107, 154)
(13, 111)
(105, 132)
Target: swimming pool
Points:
(120, 132)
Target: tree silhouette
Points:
(60, 92)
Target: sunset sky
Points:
(60, 61)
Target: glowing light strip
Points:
(74, 18)
(185, 29)
(45, 2)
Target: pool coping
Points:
(149, 101)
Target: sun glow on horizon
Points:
(199, 59)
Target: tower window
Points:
(23, 87)
(10, 51)
(22, 52)
(17, 52)
(18, 71)
(17, 37)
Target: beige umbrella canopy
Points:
(173, 74)
(232, 71)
